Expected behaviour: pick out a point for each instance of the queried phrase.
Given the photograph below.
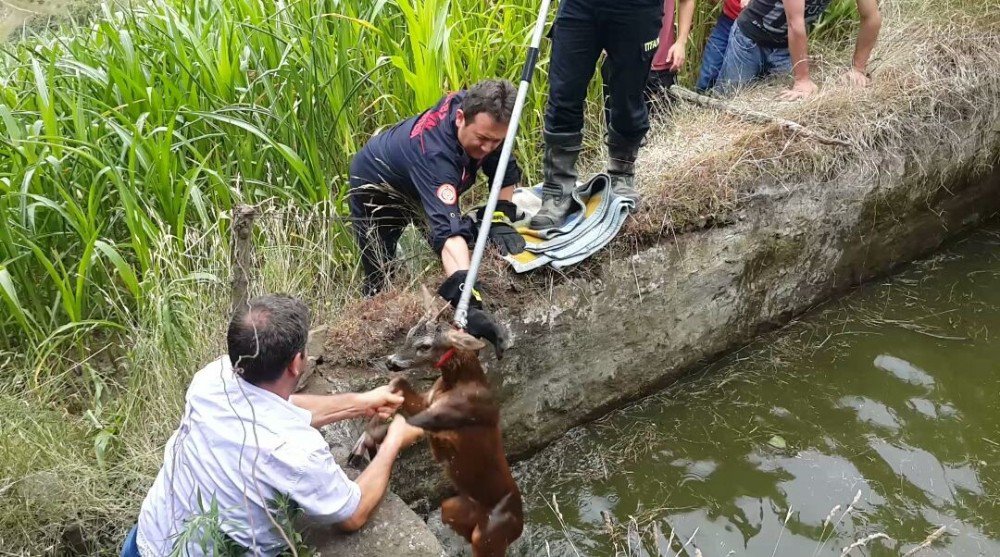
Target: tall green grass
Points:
(153, 121)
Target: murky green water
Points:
(888, 398)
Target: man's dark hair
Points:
(265, 335)
(492, 96)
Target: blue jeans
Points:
(746, 61)
(715, 50)
(131, 548)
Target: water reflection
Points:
(877, 415)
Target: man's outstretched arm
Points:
(871, 24)
(327, 409)
(798, 49)
(455, 254)
(374, 481)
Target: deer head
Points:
(430, 339)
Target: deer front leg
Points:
(413, 402)
(456, 409)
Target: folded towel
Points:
(597, 216)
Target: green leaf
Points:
(10, 296)
(125, 271)
(777, 441)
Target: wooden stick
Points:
(242, 254)
(753, 115)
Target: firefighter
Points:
(628, 31)
(422, 165)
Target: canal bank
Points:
(801, 224)
(601, 341)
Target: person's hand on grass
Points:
(856, 78)
(801, 90)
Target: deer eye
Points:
(423, 346)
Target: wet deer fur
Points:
(462, 420)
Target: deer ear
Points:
(428, 301)
(463, 340)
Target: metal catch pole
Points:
(462, 312)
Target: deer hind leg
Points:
(367, 445)
(497, 530)
(462, 515)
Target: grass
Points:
(127, 138)
(153, 122)
(933, 68)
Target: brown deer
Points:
(462, 420)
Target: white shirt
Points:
(243, 446)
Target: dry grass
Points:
(935, 66)
(365, 328)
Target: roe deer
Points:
(462, 420)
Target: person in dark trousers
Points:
(718, 41)
(770, 38)
(627, 30)
(422, 165)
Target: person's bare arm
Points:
(798, 48)
(677, 52)
(507, 193)
(871, 23)
(455, 255)
(327, 409)
(374, 481)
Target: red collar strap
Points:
(445, 358)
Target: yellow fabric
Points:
(525, 257)
(592, 204)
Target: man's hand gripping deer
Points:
(463, 422)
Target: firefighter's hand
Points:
(502, 232)
(451, 290)
(505, 238)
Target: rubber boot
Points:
(559, 169)
(621, 166)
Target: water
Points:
(888, 398)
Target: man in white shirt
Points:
(245, 441)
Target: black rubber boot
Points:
(621, 166)
(559, 168)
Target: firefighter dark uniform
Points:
(416, 166)
(628, 31)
